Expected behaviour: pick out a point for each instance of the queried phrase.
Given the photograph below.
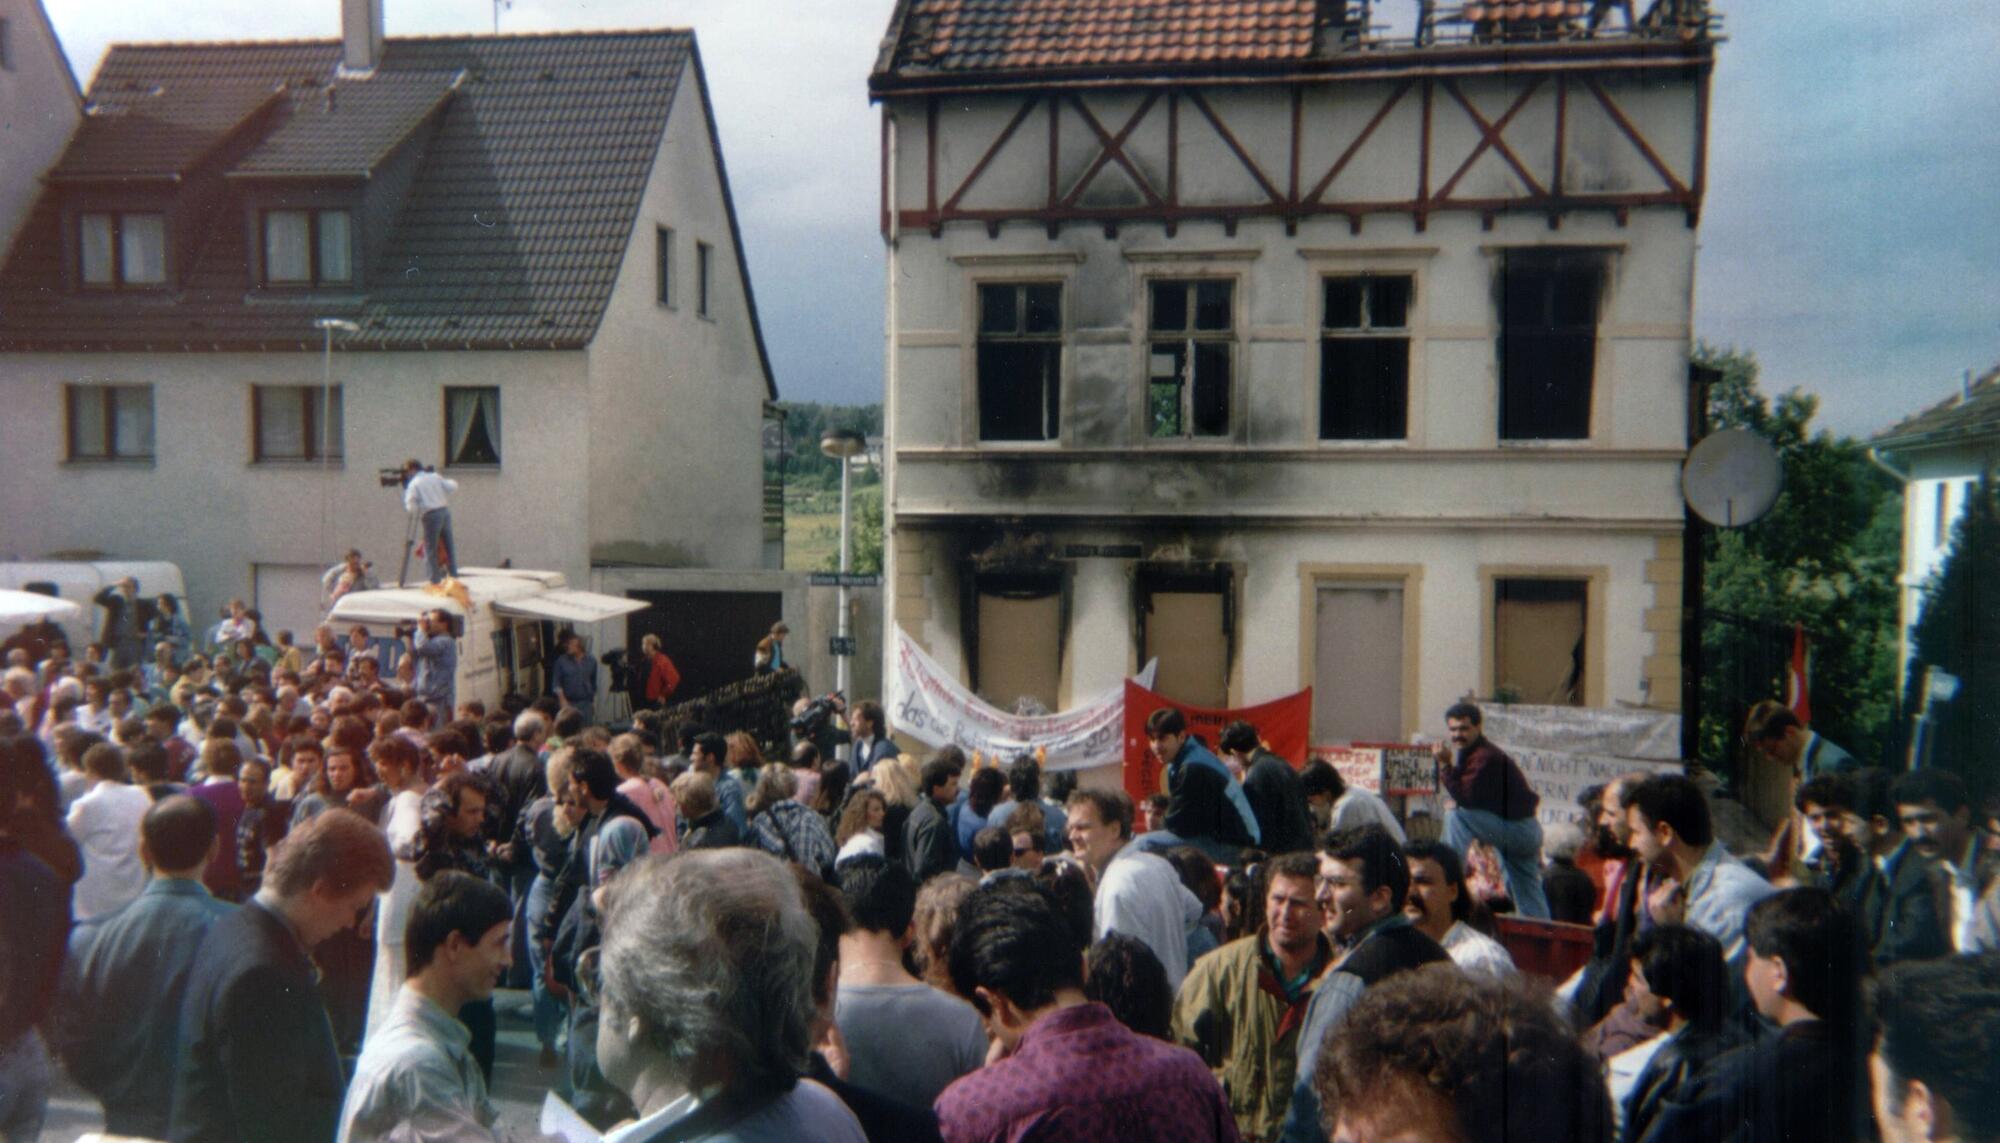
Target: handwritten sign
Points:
(1408, 771)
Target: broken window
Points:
(1538, 640)
(1364, 358)
(1193, 331)
(1020, 361)
(472, 426)
(1015, 641)
(1548, 342)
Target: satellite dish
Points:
(1732, 477)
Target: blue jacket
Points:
(437, 669)
(120, 1001)
(1194, 778)
(576, 679)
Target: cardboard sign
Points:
(1408, 771)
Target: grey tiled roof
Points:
(511, 233)
(1967, 415)
(350, 127)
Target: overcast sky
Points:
(1851, 236)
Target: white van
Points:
(79, 581)
(500, 649)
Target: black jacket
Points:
(883, 1120)
(1278, 799)
(258, 1063)
(1676, 1065)
(1198, 802)
(930, 844)
(712, 830)
(519, 774)
(1798, 1086)
(1910, 924)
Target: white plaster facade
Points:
(39, 106)
(1438, 514)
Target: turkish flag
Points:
(1284, 724)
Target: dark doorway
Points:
(710, 635)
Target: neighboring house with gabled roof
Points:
(39, 105)
(1940, 453)
(534, 236)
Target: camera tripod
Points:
(409, 542)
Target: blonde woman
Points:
(897, 779)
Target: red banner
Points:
(1284, 724)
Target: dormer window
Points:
(308, 248)
(122, 250)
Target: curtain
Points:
(96, 244)
(287, 257)
(474, 418)
(142, 248)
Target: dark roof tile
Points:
(1970, 414)
(511, 232)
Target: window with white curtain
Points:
(472, 426)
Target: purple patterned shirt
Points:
(1079, 1075)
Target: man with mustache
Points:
(1961, 860)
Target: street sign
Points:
(844, 579)
(841, 646)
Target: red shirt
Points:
(663, 680)
(1079, 1076)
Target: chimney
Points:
(361, 34)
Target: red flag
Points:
(1797, 693)
(1283, 724)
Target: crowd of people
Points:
(258, 897)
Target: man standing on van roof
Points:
(425, 492)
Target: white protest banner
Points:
(930, 706)
(1618, 733)
(1559, 776)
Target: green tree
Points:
(1959, 632)
(1825, 557)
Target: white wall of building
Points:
(676, 398)
(203, 504)
(39, 108)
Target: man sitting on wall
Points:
(1206, 807)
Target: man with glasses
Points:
(1242, 1005)
(1364, 881)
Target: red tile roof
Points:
(972, 36)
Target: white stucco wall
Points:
(39, 109)
(1950, 473)
(676, 399)
(202, 504)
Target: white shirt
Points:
(105, 823)
(1140, 895)
(868, 841)
(1477, 953)
(1358, 807)
(1964, 899)
(426, 491)
(1622, 1072)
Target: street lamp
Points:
(843, 445)
(327, 326)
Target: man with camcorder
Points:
(427, 493)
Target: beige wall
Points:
(203, 505)
(676, 399)
(39, 109)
